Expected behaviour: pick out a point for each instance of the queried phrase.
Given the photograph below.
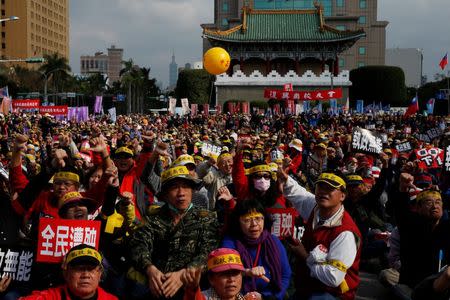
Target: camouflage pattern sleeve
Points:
(141, 247)
(209, 238)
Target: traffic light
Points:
(35, 60)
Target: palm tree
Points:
(133, 79)
(56, 68)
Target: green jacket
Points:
(172, 247)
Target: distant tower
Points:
(173, 72)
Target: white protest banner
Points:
(447, 157)
(172, 105)
(185, 106)
(283, 221)
(422, 137)
(403, 147)
(209, 149)
(434, 133)
(57, 236)
(366, 141)
(16, 263)
(112, 114)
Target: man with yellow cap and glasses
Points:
(330, 249)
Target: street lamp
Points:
(12, 18)
(45, 82)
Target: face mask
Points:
(262, 184)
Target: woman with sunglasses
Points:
(264, 258)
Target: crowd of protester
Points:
(187, 205)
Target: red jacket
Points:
(61, 293)
(131, 182)
(241, 185)
(45, 204)
(325, 235)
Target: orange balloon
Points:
(216, 61)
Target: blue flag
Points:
(360, 106)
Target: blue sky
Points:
(148, 30)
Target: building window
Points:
(225, 7)
(340, 27)
(3, 46)
(341, 62)
(339, 3)
(361, 64)
(224, 22)
(4, 34)
(293, 4)
(3, 12)
(362, 50)
(362, 4)
(362, 20)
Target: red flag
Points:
(413, 107)
(444, 62)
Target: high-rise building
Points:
(107, 64)
(42, 28)
(115, 56)
(341, 14)
(173, 72)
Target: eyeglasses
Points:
(248, 221)
(259, 176)
(432, 203)
(65, 183)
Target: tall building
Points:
(308, 58)
(115, 56)
(341, 14)
(173, 73)
(107, 64)
(410, 60)
(42, 28)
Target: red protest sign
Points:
(430, 158)
(303, 95)
(26, 104)
(54, 110)
(58, 236)
(283, 221)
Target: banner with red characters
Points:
(58, 110)
(303, 95)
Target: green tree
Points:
(133, 80)
(378, 83)
(151, 91)
(430, 90)
(195, 85)
(56, 71)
